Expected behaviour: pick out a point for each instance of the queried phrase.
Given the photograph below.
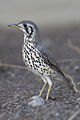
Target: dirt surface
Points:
(17, 85)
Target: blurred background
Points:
(43, 12)
(58, 21)
(59, 25)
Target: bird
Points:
(37, 57)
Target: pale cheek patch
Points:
(20, 25)
(29, 29)
(22, 28)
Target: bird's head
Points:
(28, 27)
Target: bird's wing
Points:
(48, 59)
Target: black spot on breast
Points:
(27, 53)
(41, 69)
(31, 66)
(28, 58)
(47, 72)
(41, 73)
(50, 72)
(35, 68)
(29, 45)
(36, 60)
(40, 64)
(37, 57)
(32, 47)
(29, 49)
(33, 62)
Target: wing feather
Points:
(48, 59)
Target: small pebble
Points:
(36, 101)
(78, 98)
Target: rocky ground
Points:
(18, 85)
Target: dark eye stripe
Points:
(26, 28)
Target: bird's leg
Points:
(50, 85)
(45, 82)
(42, 89)
(48, 92)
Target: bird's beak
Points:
(14, 26)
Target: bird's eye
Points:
(26, 28)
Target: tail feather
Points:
(66, 79)
(68, 82)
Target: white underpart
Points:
(43, 78)
(33, 55)
(48, 80)
(24, 38)
(22, 28)
(37, 57)
(29, 29)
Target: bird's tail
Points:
(67, 80)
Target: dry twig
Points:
(12, 66)
(74, 115)
(72, 81)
